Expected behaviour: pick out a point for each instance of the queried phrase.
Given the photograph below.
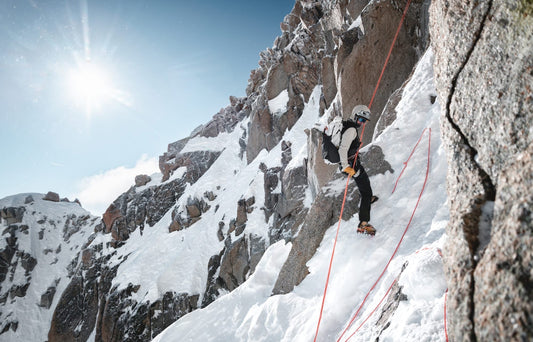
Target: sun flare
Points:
(90, 86)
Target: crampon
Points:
(366, 228)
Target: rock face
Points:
(483, 66)
(317, 46)
(142, 180)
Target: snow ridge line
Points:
(399, 243)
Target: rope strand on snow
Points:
(377, 306)
(445, 321)
(408, 159)
(335, 242)
(397, 247)
(387, 293)
(331, 259)
(355, 160)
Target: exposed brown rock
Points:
(111, 214)
(51, 196)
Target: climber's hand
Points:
(350, 171)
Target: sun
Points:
(90, 86)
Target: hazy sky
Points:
(92, 91)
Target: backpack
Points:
(331, 139)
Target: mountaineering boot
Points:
(374, 199)
(366, 228)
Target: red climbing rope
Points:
(389, 54)
(335, 242)
(408, 159)
(331, 260)
(387, 293)
(377, 306)
(445, 323)
(355, 160)
(397, 247)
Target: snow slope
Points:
(250, 314)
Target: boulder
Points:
(51, 196)
(48, 297)
(141, 180)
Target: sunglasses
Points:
(361, 120)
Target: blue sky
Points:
(168, 67)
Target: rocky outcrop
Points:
(134, 210)
(186, 217)
(51, 196)
(226, 119)
(318, 47)
(12, 215)
(198, 162)
(141, 180)
(483, 63)
(235, 263)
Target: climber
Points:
(348, 148)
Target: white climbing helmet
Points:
(361, 111)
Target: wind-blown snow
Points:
(250, 314)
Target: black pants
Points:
(363, 183)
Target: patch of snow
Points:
(278, 105)
(357, 23)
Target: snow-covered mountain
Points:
(41, 242)
(238, 238)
